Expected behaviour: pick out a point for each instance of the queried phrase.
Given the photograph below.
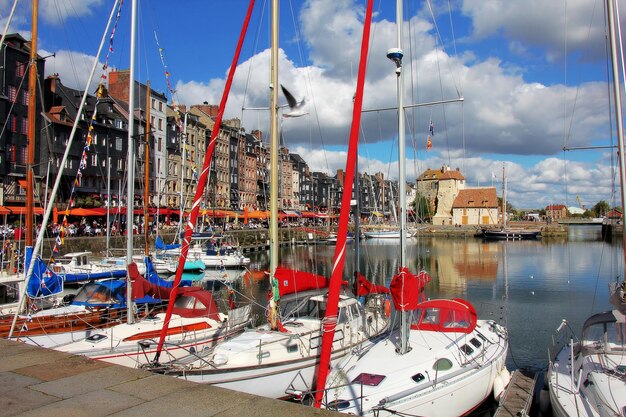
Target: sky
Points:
(532, 75)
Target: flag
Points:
(431, 128)
(429, 143)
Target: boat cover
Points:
(406, 288)
(365, 287)
(160, 245)
(456, 315)
(291, 281)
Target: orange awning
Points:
(22, 210)
(4, 210)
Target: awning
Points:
(292, 213)
(22, 210)
(4, 211)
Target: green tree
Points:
(421, 207)
(601, 208)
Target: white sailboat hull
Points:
(590, 378)
(444, 393)
(121, 345)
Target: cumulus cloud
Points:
(503, 113)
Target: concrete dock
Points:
(42, 382)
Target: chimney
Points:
(52, 82)
(118, 84)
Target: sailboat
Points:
(587, 377)
(504, 232)
(278, 359)
(441, 361)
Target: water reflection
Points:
(530, 285)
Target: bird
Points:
(295, 108)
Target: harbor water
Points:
(529, 285)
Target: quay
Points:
(42, 382)
(250, 240)
(518, 396)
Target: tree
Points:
(421, 208)
(601, 208)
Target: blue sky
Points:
(532, 74)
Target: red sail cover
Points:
(365, 287)
(457, 315)
(142, 287)
(291, 280)
(406, 288)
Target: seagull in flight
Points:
(295, 108)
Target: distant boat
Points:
(510, 234)
(503, 232)
(382, 234)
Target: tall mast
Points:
(274, 162)
(146, 190)
(30, 163)
(396, 54)
(503, 223)
(130, 196)
(618, 108)
(332, 306)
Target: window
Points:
(119, 123)
(475, 342)
(160, 124)
(20, 69)
(118, 144)
(25, 97)
(94, 160)
(23, 154)
(153, 104)
(372, 380)
(159, 141)
(11, 153)
(24, 125)
(442, 364)
(160, 106)
(120, 164)
(13, 124)
(418, 377)
(467, 350)
(12, 93)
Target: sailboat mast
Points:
(146, 187)
(618, 108)
(32, 85)
(274, 160)
(130, 196)
(503, 223)
(396, 54)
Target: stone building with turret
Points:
(440, 187)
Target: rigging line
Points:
(611, 124)
(440, 39)
(443, 112)
(454, 46)
(309, 85)
(257, 37)
(568, 129)
(64, 26)
(6, 27)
